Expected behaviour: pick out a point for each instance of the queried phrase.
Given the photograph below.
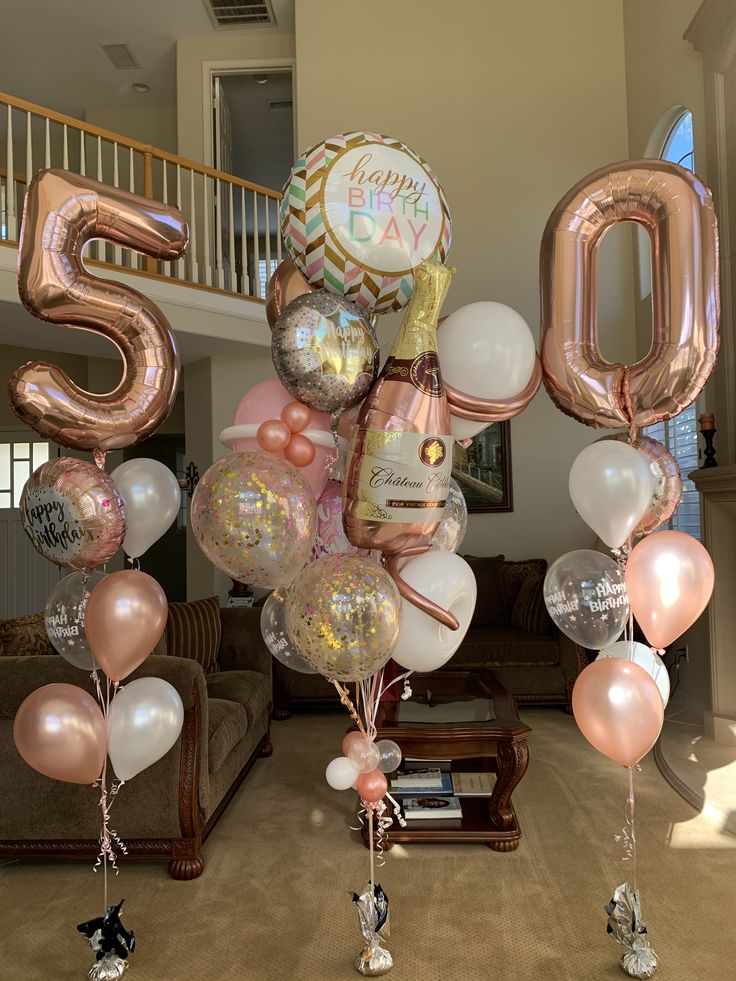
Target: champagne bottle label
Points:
(404, 476)
(423, 372)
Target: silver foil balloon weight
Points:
(372, 904)
(111, 943)
(108, 969)
(627, 929)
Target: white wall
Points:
(511, 105)
(149, 124)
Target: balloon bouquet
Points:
(627, 485)
(338, 495)
(78, 516)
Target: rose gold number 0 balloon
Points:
(62, 212)
(676, 209)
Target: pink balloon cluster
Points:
(363, 765)
(285, 435)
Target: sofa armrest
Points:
(572, 660)
(241, 644)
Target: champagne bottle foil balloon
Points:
(400, 458)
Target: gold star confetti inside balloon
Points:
(343, 614)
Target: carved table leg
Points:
(187, 861)
(267, 747)
(513, 759)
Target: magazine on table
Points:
(441, 786)
(432, 808)
(472, 784)
(430, 778)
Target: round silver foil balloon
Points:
(276, 638)
(453, 525)
(64, 618)
(325, 351)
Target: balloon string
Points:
(108, 837)
(630, 809)
(347, 702)
(372, 857)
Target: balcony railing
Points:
(235, 240)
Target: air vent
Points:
(281, 106)
(120, 56)
(240, 13)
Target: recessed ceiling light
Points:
(260, 79)
(141, 87)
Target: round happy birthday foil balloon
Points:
(360, 212)
(343, 614)
(254, 517)
(325, 352)
(73, 514)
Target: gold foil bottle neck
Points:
(431, 284)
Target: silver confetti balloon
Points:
(325, 351)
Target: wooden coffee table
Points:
(486, 734)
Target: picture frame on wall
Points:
(483, 470)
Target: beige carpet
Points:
(274, 901)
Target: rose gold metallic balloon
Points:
(273, 435)
(667, 482)
(286, 284)
(73, 514)
(126, 616)
(300, 450)
(297, 416)
(676, 209)
(60, 731)
(372, 786)
(62, 212)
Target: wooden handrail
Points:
(145, 148)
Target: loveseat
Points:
(168, 810)
(511, 632)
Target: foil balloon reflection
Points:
(73, 514)
(676, 209)
(325, 352)
(64, 618)
(667, 482)
(62, 212)
(286, 284)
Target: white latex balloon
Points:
(446, 579)
(145, 720)
(486, 349)
(646, 658)
(152, 500)
(611, 486)
(341, 773)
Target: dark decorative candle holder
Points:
(709, 453)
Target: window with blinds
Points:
(680, 437)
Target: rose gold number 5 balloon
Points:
(62, 212)
(677, 211)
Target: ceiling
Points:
(50, 54)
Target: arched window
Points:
(680, 435)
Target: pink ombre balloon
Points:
(669, 579)
(268, 400)
(618, 709)
(373, 786)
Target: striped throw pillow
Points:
(193, 631)
(529, 612)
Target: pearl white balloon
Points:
(611, 486)
(144, 722)
(487, 350)
(341, 773)
(152, 499)
(424, 644)
(646, 658)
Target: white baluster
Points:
(278, 234)
(267, 202)
(47, 156)
(166, 266)
(232, 282)
(180, 262)
(217, 186)
(256, 249)
(29, 148)
(206, 235)
(117, 252)
(12, 233)
(100, 246)
(65, 153)
(245, 284)
(193, 263)
(82, 153)
(135, 257)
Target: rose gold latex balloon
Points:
(618, 709)
(669, 579)
(300, 450)
(126, 616)
(73, 514)
(60, 731)
(667, 482)
(273, 435)
(676, 209)
(373, 785)
(62, 212)
(297, 416)
(286, 284)
(354, 736)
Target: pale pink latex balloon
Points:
(273, 435)
(669, 579)
(60, 731)
(126, 616)
(267, 400)
(618, 709)
(300, 451)
(351, 737)
(297, 416)
(373, 786)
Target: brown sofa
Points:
(168, 810)
(511, 632)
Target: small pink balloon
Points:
(373, 786)
(301, 450)
(297, 416)
(669, 579)
(273, 435)
(351, 737)
(618, 709)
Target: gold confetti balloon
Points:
(343, 614)
(254, 516)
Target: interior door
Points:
(25, 576)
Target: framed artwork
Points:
(483, 470)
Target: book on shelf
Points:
(432, 808)
(472, 784)
(430, 778)
(414, 763)
(439, 787)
